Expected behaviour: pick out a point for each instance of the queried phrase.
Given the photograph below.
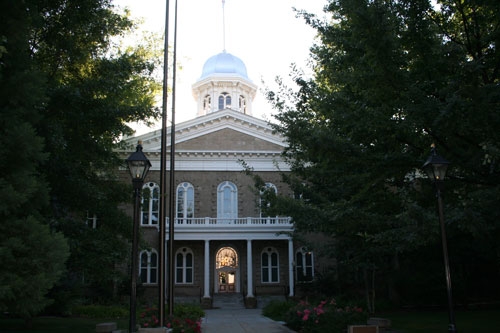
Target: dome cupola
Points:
(224, 84)
(224, 64)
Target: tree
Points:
(32, 255)
(95, 90)
(70, 94)
(390, 78)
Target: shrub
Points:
(186, 318)
(100, 311)
(324, 317)
(277, 310)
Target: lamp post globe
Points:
(436, 167)
(138, 165)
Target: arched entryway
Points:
(227, 271)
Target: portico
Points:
(223, 270)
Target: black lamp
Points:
(436, 167)
(138, 165)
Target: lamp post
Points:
(138, 165)
(436, 167)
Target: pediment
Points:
(226, 130)
(227, 139)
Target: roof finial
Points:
(223, 27)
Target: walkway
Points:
(240, 321)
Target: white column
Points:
(206, 287)
(290, 267)
(249, 269)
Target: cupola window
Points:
(207, 103)
(224, 101)
(243, 104)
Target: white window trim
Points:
(303, 251)
(150, 222)
(269, 251)
(233, 213)
(149, 266)
(266, 187)
(186, 186)
(184, 251)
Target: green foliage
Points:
(56, 325)
(188, 310)
(100, 311)
(324, 317)
(32, 255)
(67, 95)
(390, 78)
(277, 310)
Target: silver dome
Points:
(224, 63)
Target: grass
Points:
(474, 321)
(58, 325)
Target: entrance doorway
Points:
(226, 281)
(227, 271)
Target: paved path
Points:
(240, 321)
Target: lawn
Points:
(474, 321)
(478, 321)
(58, 325)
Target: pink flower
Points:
(319, 310)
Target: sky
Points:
(264, 34)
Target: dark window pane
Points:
(274, 259)
(153, 276)
(178, 275)
(265, 260)
(274, 277)
(179, 260)
(265, 274)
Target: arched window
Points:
(267, 194)
(185, 201)
(150, 204)
(148, 269)
(226, 257)
(227, 201)
(184, 266)
(207, 103)
(224, 101)
(270, 265)
(304, 261)
(243, 104)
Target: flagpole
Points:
(172, 176)
(163, 178)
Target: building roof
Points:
(218, 141)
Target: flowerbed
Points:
(324, 317)
(186, 319)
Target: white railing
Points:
(241, 221)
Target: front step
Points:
(228, 301)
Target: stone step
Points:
(228, 301)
